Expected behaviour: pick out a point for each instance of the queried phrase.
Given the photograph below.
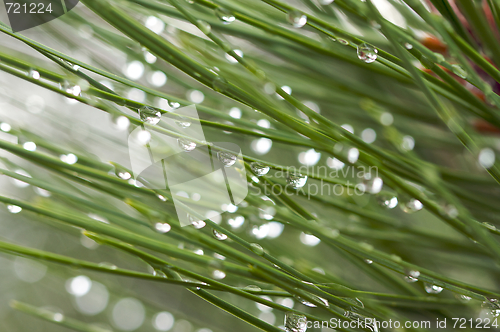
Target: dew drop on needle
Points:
(226, 158)
(224, 15)
(186, 145)
(297, 19)
(149, 115)
(367, 53)
(295, 322)
(259, 169)
(297, 180)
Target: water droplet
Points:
(220, 84)
(5, 127)
(162, 227)
(232, 59)
(367, 53)
(386, 119)
(297, 19)
(267, 212)
(325, 301)
(236, 222)
(224, 15)
(325, 2)
(388, 201)
(352, 155)
(57, 317)
(342, 41)
(218, 274)
(197, 223)
(71, 65)
(309, 239)
(34, 74)
(14, 208)
(355, 302)
(286, 89)
(157, 78)
(463, 298)
(219, 256)
(159, 273)
(367, 322)
(432, 289)
(348, 127)
(98, 218)
(412, 276)
(408, 46)
(121, 122)
(304, 302)
(369, 135)
(353, 314)
(227, 158)
(309, 157)
(186, 145)
(257, 249)
(155, 24)
(368, 261)
(486, 157)
(204, 26)
(295, 322)
(297, 180)
(162, 198)
(459, 71)
(183, 122)
(259, 169)
(107, 265)
(174, 104)
(412, 205)
(235, 113)
(219, 236)
(149, 115)
(134, 70)
(195, 96)
(42, 192)
(19, 183)
(370, 183)
(75, 90)
(30, 146)
(253, 288)
(492, 306)
(69, 158)
(122, 173)
(149, 57)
